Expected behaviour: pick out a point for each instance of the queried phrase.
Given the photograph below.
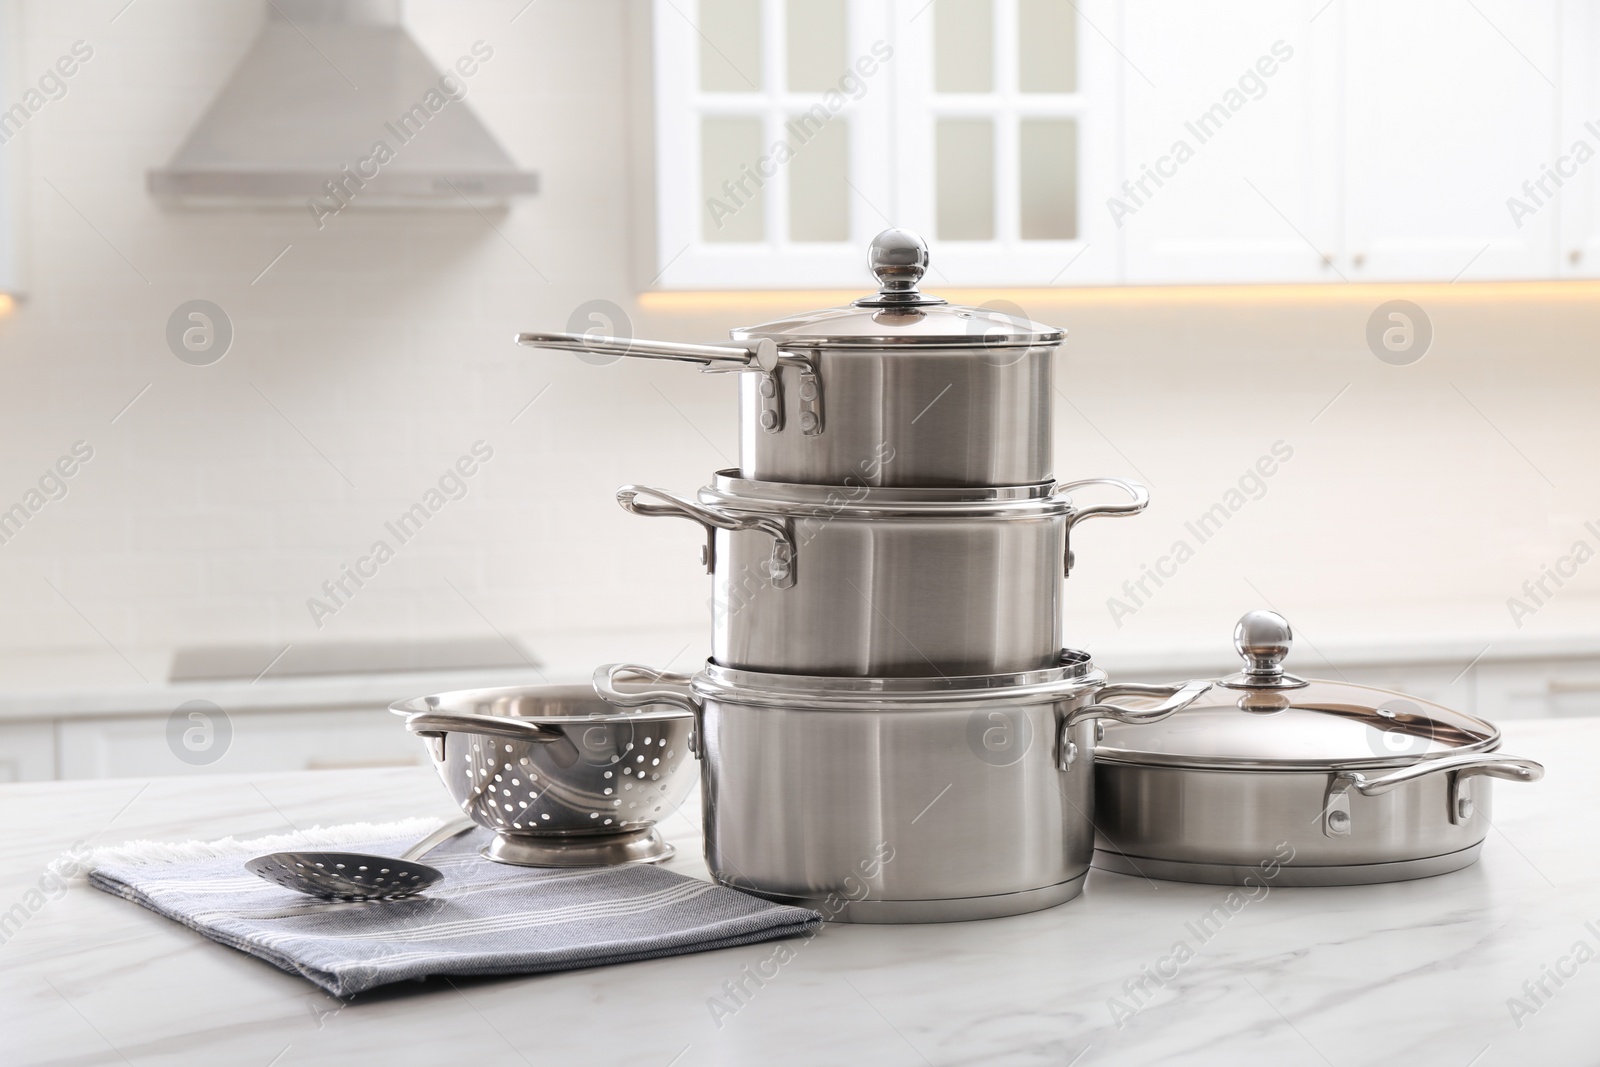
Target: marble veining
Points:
(1417, 972)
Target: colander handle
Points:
(430, 724)
(607, 676)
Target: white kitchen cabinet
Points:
(27, 752)
(137, 745)
(1448, 109)
(1230, 141)
(1387, 147)
(1449, 684)
(1577, 153)
(1538, 690)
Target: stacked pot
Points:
(889, 727)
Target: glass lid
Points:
(900, 314)
(1265, 719)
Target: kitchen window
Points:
(789, 132)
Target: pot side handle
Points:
(1139, 499)
(1490, 764)
(1179, 696)
(1336, 816)
(607, 675)
(780, 568)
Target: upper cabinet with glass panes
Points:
(790, 131)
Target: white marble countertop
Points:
(1415, 972)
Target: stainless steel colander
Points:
(563, 777)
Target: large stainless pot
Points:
(1277, 780)
(873, 582)
(900, 800)
(898, 389)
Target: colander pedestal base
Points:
(572, 850)
(946, 910)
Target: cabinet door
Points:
(27, 752)
(1228, 169)
(1449, 108)
(1577, 161)
(1539, 689)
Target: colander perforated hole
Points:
(608, 774)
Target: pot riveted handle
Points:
(1178, 696)
(780, 567)
(607, 675)
(761, 355)
(1139, 499)
(1336, 818)
(1492, 764)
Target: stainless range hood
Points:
(336, 103)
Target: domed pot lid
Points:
(901, 314)
(1265, 719)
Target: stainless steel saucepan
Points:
(888, 800)
(873, 582)
(899, 388)
(1288, 782)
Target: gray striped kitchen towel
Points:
(485, 918)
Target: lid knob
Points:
(898, 259)
(1263, 639)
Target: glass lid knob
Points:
(1263, 639)
(898, 259)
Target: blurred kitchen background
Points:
(1433, 507)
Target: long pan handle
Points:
(759, 355)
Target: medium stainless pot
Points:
(888, 800)
(1280, 781)
(899, 388)
(872, 582)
